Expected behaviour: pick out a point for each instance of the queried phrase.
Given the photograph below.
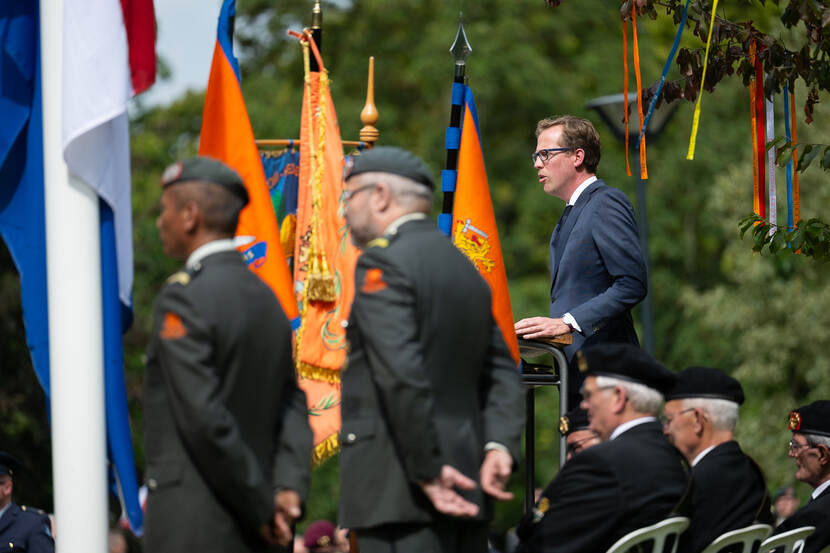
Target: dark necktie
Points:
(561, 225)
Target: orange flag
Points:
(227, 135)
(324, 258)
(474, 229)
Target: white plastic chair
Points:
(748, 537)
(658, 532)
(793, 541)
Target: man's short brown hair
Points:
(576, 133)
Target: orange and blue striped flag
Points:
(227, 135)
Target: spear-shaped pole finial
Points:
(460, 48)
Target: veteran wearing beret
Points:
(21, 528)
(226, 435)
(633, 479)
(729, 492)
(432, 403)
(810, 449)
(575, 427)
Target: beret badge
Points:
(582, 363)
(564, 424)
(795, 421)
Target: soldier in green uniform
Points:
(21, 528)
(227, 439)
(432, 403)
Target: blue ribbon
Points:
(665, 71)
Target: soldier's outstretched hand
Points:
(443, 495)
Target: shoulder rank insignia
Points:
(381, 242)
(182, 277)
(540, 509)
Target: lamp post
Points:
(611, 111)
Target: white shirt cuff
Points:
(567, 318)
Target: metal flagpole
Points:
(76, 352)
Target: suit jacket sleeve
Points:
(503, 396)
(209, 431)
(296, 441)
(615, 235)
(385, 311)
(584, 506)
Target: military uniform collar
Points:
(392, 229)
(5, 509)
(820, 489)
(216, 246)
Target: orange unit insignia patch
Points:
(172, 328)
(373, 282)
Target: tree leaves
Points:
(810, 238)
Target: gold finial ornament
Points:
(369, 116)
(316, 16)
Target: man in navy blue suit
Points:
(598, 273)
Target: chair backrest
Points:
(658, 532)
(792, 541)
(748, 537)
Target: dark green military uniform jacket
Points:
(224, 421)
(429, 379)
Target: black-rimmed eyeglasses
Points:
(546, 153)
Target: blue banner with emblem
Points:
(282, 174)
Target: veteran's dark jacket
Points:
(429, 379)
(224, 421)
(815, 513)
(729, 493)
(607, 491)
(25, 529)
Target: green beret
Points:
(626, 362)
(203, 168)
(389, 159)
(704, 382)
(811, 419)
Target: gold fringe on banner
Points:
(325, 450)
(318, 373)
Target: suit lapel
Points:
(565, 231)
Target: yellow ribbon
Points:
(693, 139)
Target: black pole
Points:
(645, 306)
(452, 153)
(316, 34)
(530, 448)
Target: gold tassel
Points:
(320, 282)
